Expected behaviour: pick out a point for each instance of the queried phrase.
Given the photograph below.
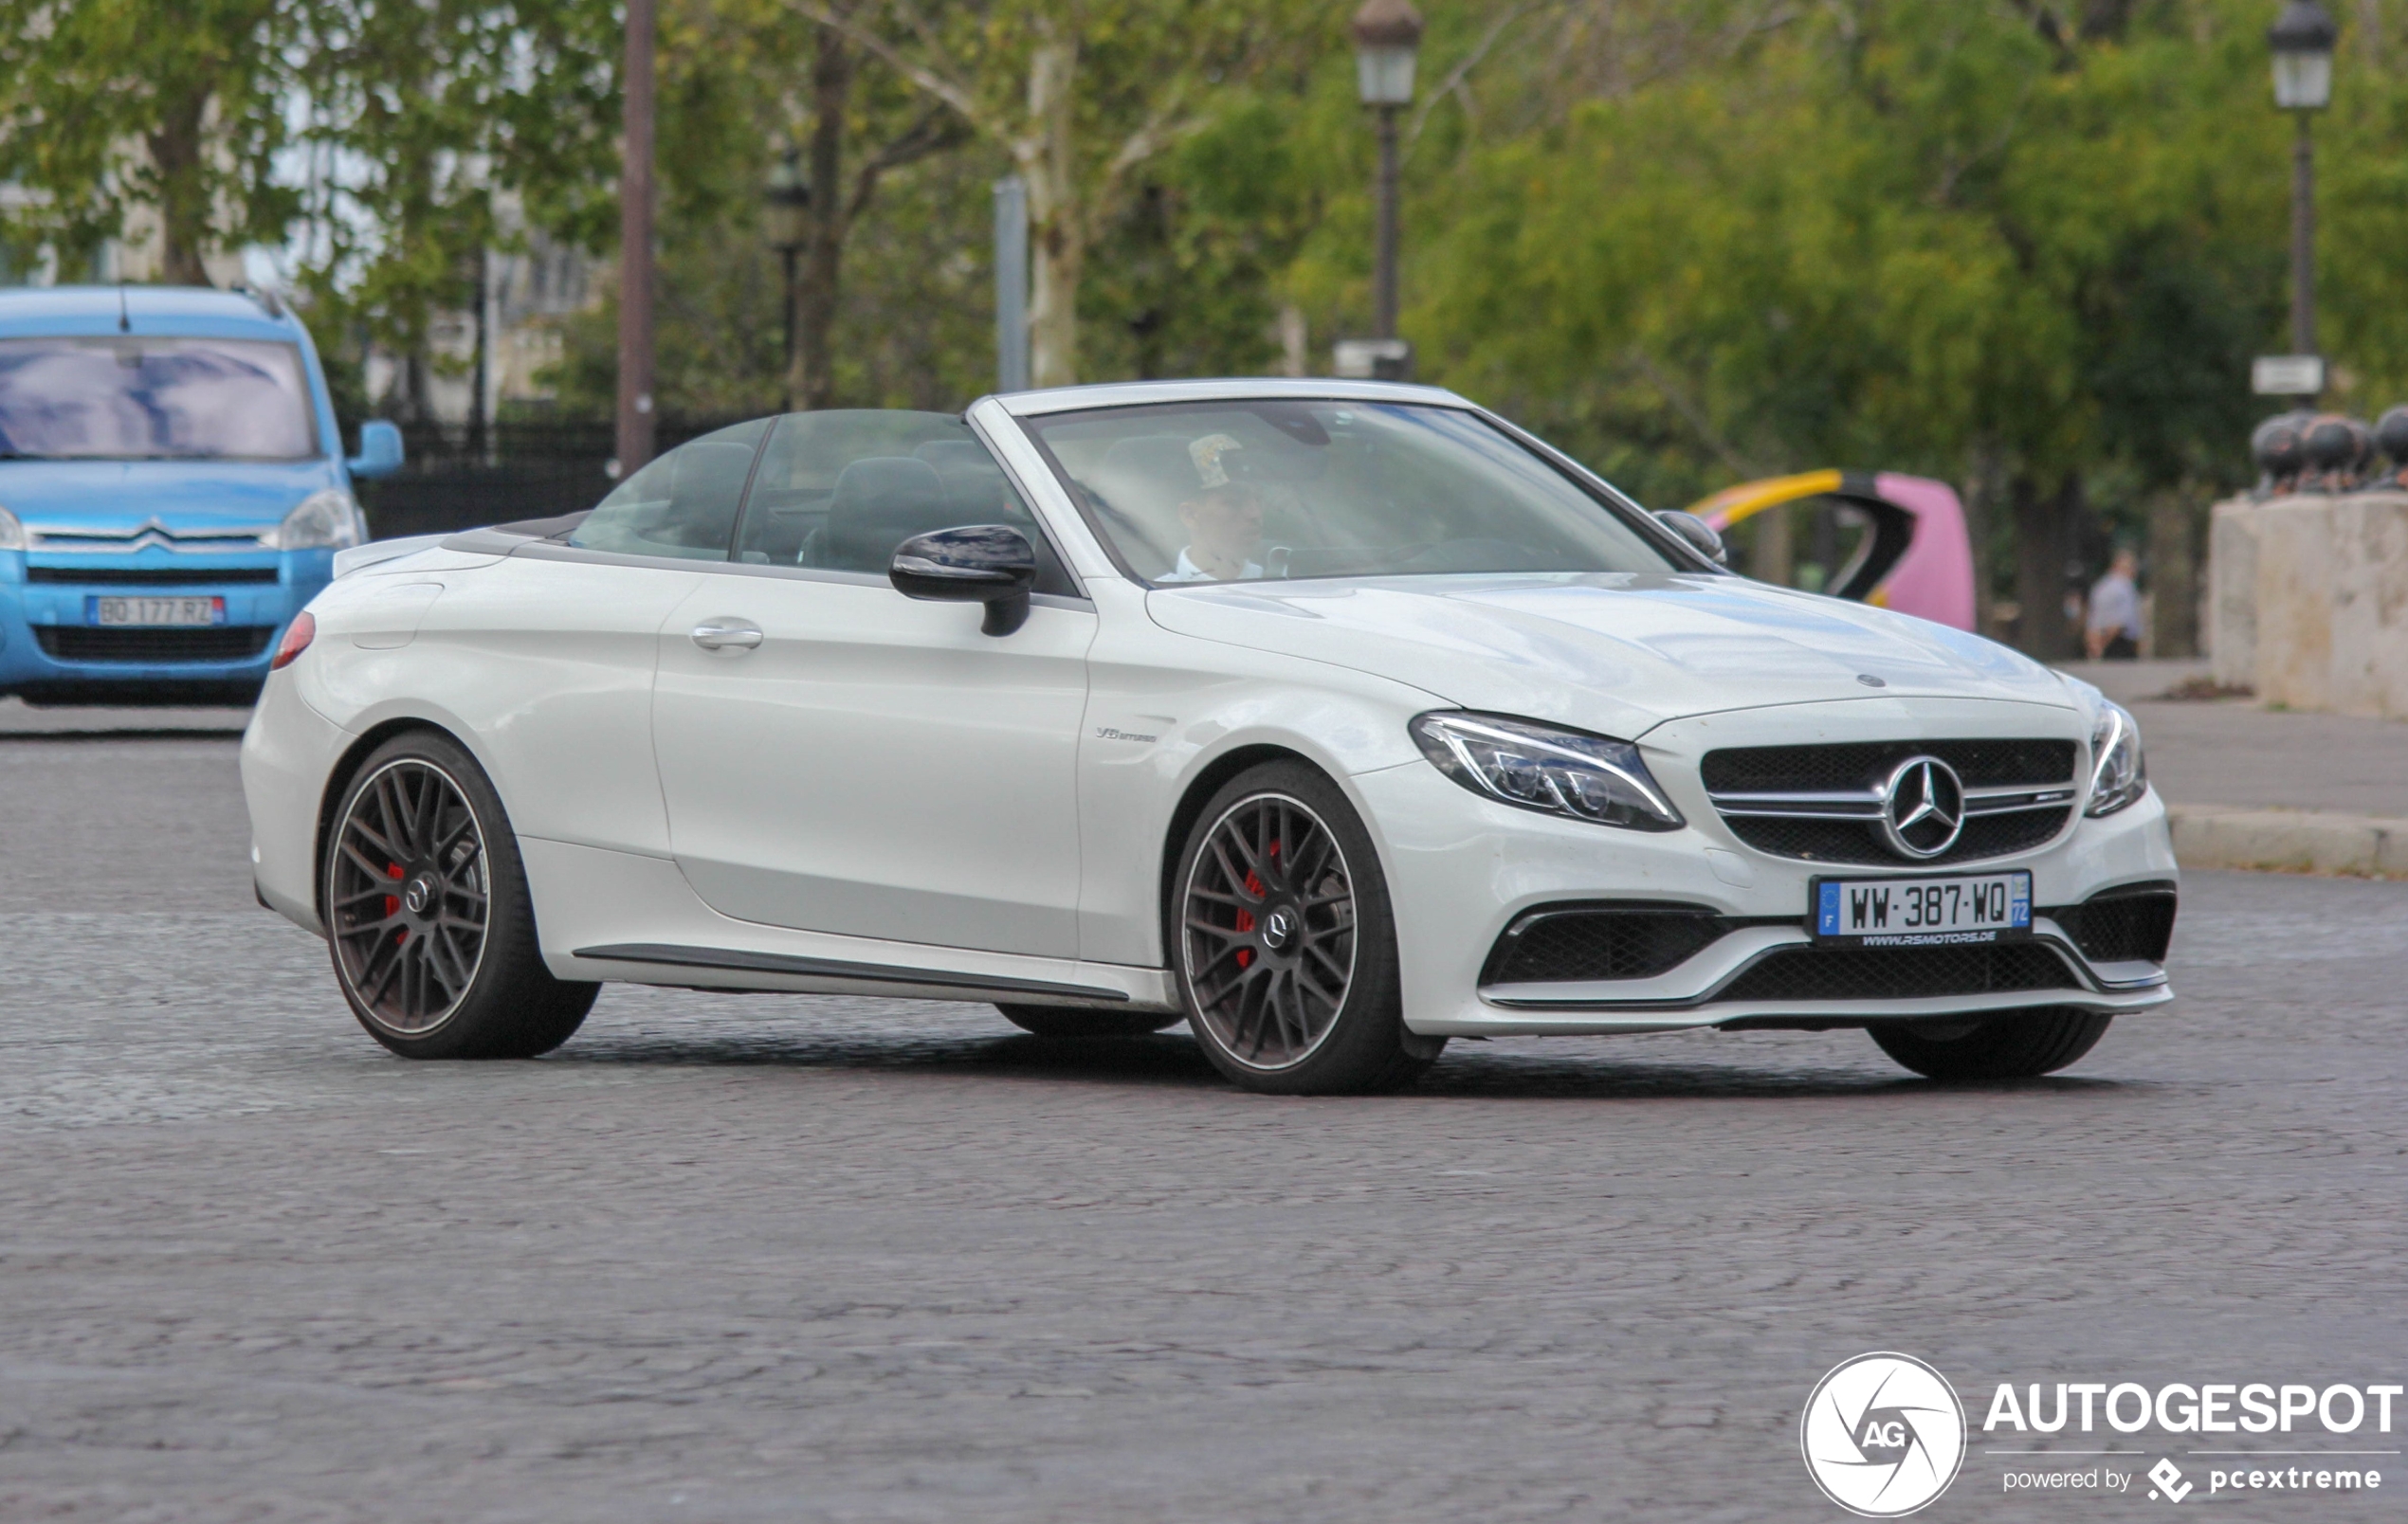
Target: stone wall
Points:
(2308, 597)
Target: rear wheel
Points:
(2018, 1044)
(1283, 944)
(1078, 1020)
(428, 915)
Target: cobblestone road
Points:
(779, 1258)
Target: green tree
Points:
(1956, 238)
(173, 106)
(1078, 94)
(458, 126)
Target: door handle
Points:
(720, 637)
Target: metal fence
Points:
(457, 477)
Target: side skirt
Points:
(737, 960)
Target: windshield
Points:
(1235, 491)
(120, 399)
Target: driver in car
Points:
(1224, 521)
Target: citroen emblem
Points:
(1922, 807)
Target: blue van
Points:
(173, 490)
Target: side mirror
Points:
(379, 451)
(1697, 533)
(991, 564)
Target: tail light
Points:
(297, 638)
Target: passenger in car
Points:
(1224, 521)
(1225, 530)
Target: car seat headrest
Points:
(880, 503)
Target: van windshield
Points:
(1239, 490)
(147, 399)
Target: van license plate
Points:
(1978, 907)
(172, 613)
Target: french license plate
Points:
(114, 613)
(1979, 907)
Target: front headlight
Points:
(11, 532)
(1538, 767)
(327, 520)
(2119, 775)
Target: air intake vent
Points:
(1600, 941)
(1899, 972)
(2132, 925)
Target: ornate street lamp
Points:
(786, 218)
(2302, 39)
(1387, 34)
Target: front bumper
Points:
(51, 652)
(1461, 869)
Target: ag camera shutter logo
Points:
(1883, 1435)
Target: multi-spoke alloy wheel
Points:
(427, 912)
(1284, 946)
(1271, 931)
(409, 896)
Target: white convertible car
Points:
(1335, 719)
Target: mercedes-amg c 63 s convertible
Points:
(1335, 719)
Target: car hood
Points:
(118, 497)
(1613, 653)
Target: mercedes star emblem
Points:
(1922, 807)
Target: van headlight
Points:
(1555, 771)
(2119, 775)
(13, 535)
(327, 520)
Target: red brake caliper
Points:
(393, 902)
(1245, 917)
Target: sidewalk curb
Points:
(2289, 840)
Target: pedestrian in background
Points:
(2115, 628)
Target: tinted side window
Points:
(682, 505)
(839, 490)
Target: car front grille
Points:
(148, 576)
(1846, 841)
(2132, 925)
(1899, 972)
(1823, 804)
(1600, 941)
(220, 642)
(1861, 763)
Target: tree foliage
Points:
(2028, 246)
(176, 106)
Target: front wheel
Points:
(1283, 944)
(427, 914)
(1080, 1021)
(2020, 1045)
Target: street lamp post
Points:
(1387, 33)
(786, 202)
(2302, 39)
(635, 416)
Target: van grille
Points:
(220, 642)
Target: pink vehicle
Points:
(1915, 557)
